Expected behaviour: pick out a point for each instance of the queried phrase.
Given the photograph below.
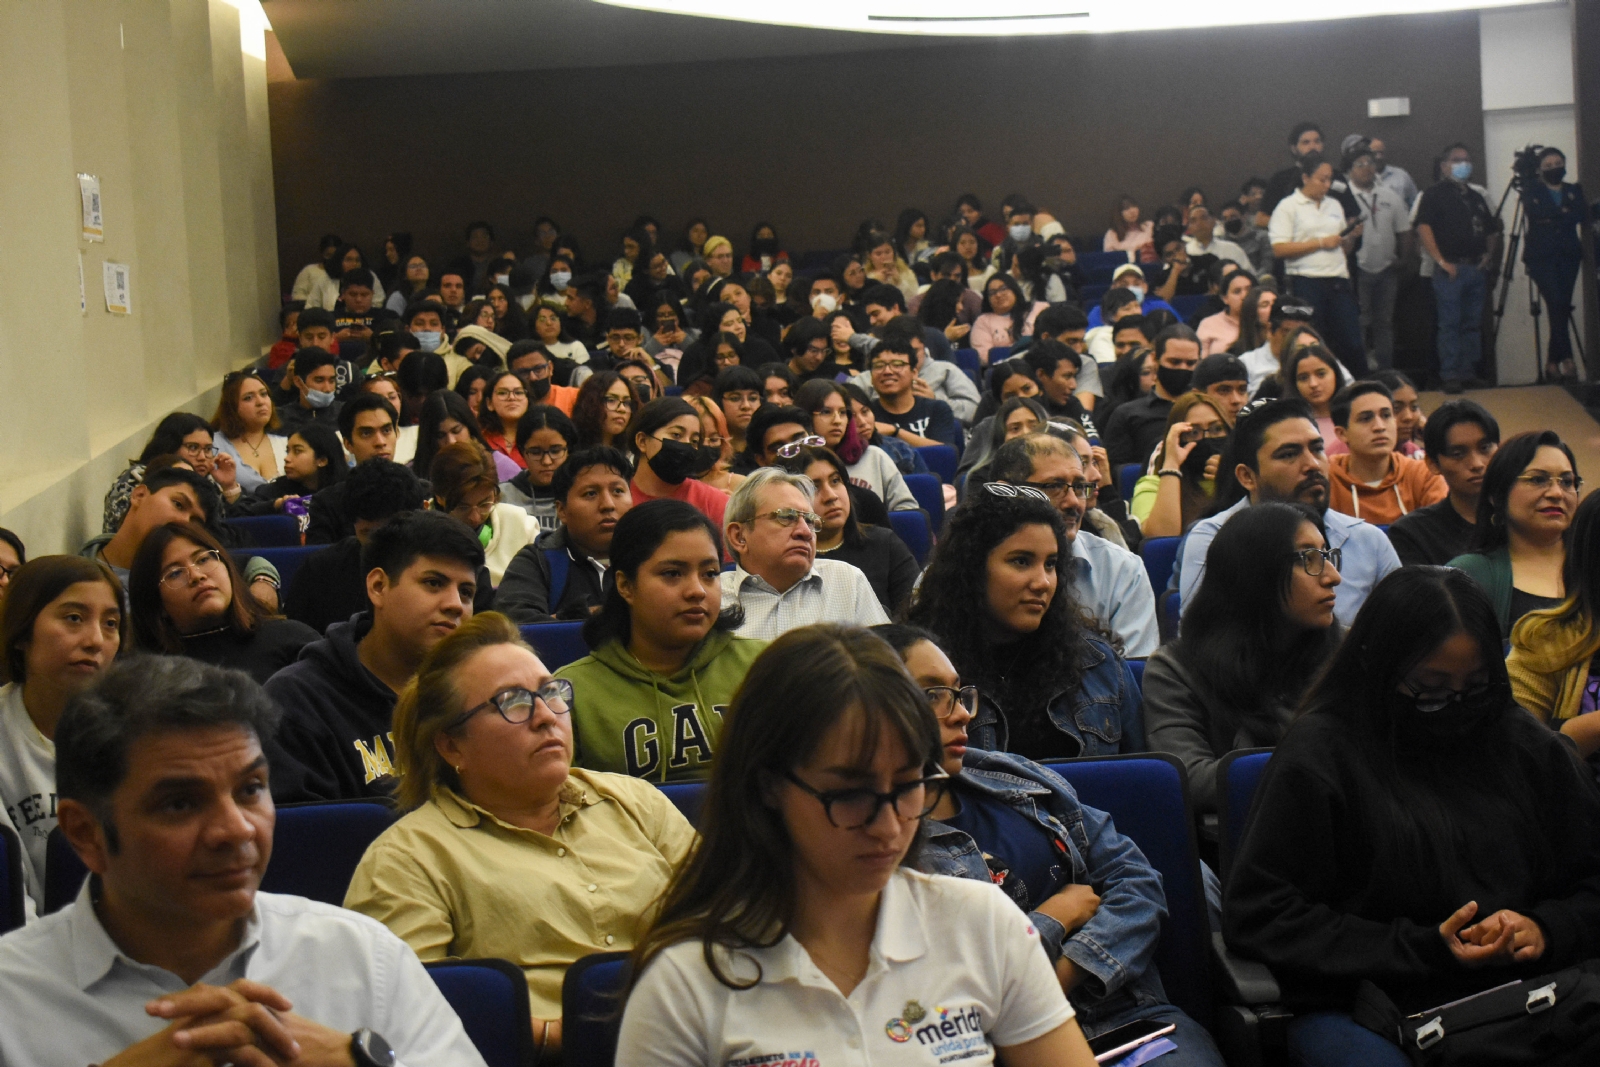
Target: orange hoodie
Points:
(1408, 486)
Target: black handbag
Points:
(1552, 1021)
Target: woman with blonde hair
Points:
(718, 254)
(506, 850)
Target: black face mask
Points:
(538, 389)
(1458, 718)
(1554, 175)
(1234, 226)
(678, 460)
(1174, 380)
(1194, 464)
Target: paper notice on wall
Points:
(83, 296)
(93, 222)
(119, 298)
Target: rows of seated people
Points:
(716, 514)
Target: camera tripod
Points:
(1508, 269)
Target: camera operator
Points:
(1460, 233)
(1554, 253)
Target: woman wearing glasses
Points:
(799, 931)
(870, 467)
(545, 437)
(1095, 900)
(664, 444)
(995, 595)
(1414, 828)
(652, 696)
(605, 404)
(1182, 479)
(506, 850)
(1256, 633)
(189, 438)
(444, 418)
(1007, 315)
(1518, 550)
(505, 401)
(467, 488)
(183, 599)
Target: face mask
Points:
(1555, 174)
(538, 389)
(825, 301)
(559, 279)
(1461, 171)
(503, 279)
(1138, 292)
(1234, 225)
(1174, 381)
(430, 340)
(1194, 465)
(1458, 718)
(318, 399)
(676, 461)
(1020, 232)
(764, 246)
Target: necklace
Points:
(255, 450)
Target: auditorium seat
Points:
(1160, 554)
(929, 492)
(316, 847)
(687, 797)
(64, 872)
(967, 359)
(1127, 477)
(268, 531)
(557, 643)
(941, 460)
(912, 528)
(1187, 306)
(590, 1012)
(1240, 773)
(491, 999)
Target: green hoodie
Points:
(630, 720)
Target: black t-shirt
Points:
(926, 418)
(1461, 220)
(1431, 536)
(273, 645)
(329, 587)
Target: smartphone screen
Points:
(1114, 1043)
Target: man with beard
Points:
(530, 361)
(1107, 580)
(1277, 454)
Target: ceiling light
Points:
(1010, 18)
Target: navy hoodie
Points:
(335, 740)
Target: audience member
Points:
(876, 551)
(1386, 240)
(242, 428)
(664, 440)
(714, 437)
(992, 594)
(313, 459)
(1017, 417)
(563, 574)
(484, 746)
(1055, 368)
(1461, 234)
(869, 466)
(1276, 454)
(1518, 549)
(1218, 332)
(1373, 481)
(164, 798)
(1314, 375)
(800, 870)
(313, 378)
(535, 365)
(1459, 440)
(738, 392)
(1096, 901)
(545, 437)
(338, 698)
(1007, 316)
(1260, 629)
(1107, 581)
(370, 426)
(1309, 232)
(186, 598)
(898, 409)
(446, 418)
(62, 624)
(1131, 278)
(772, 427)
(330, 585)
(1137, 427)
(601, 413)
(1223, 377)
(505, 401)
(1288, 316)
(12, 556)
(1128, 233)
(383, 386)
(779, 584)
(172, 494)
(935, 378)
(1410, 798)
(906, 459)
(652, 693)
(465, 488)
(1408, 417)
(183, 439)
(1181, 481)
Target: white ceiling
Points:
(382, 38)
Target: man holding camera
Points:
(1555, 210)
(1460, 233)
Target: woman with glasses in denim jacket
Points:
(1257, 632)
(1094, 898)
(1518, 550)
(996, 594)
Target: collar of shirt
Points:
(464, 814)
(95, 955)
(901, 936)
(745, 577)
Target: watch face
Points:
(370, 1049)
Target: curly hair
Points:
(953, 597)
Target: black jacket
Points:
(329, 587)
(525, 588)
(337, 722)
(1133, 433)
(886, 561)
(274, 645)
(330, 515)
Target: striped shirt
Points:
(832, 592)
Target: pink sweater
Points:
(992, 330)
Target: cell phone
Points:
(1189, 437)
(1348, 230)
(1113, 1043)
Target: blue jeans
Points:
(1459, 302)
(1378, 290)
(1333, 1039)
(1337, 317)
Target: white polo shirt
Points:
(956, 970)
(1298, 218)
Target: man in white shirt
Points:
(779, 581)
(170, 955)
(1200, 238)
(1107, 580)
(1385, 243)
(1396, 178)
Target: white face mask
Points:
(825, 301)
(1138, 292)
(560, 278)
(1020, 232)
(503, 279)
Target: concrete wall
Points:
(158, 99)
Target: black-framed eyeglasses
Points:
(537, 455)
(792, 448)
(945, 699)
(1314, 560)
(890, 364)
(1057, 489)
(1006, 489)
(1432, 701)
(851, 809)
(515, 704)
(7, 573)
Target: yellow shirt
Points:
(452, 881)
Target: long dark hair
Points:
(1020, 304)
(997, 430)
(902, 231)
(651, 417)
(1252, 335)
(324, 444)
(737, 889)
(1235, 639)
(941, 303)
(1509, 461)
(639, 533)
(955, 590)
(35, 585)
(441, 404)
(152, 626)
(812, 395)
(801, 463)
(167, 439)
(514, 326)
(1420, 801)
(589, 409)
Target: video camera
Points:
(1525, 167)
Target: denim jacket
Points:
(1103, 715)
(1116, 948)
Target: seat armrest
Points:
(1245, 981)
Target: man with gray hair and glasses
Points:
(779, 581)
